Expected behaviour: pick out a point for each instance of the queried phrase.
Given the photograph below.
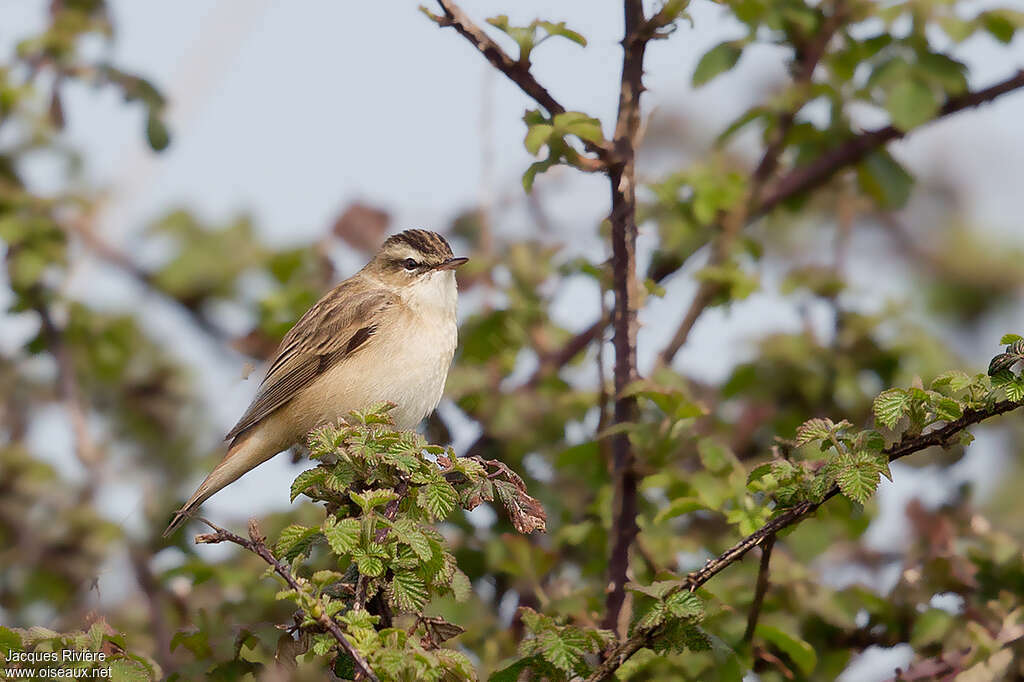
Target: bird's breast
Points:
(406, 364)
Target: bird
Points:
(388, 333)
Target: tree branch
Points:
(70, 395)
(942, 437)
(516, 71)
(807, 62)
(624, 320)
(257, 545)
(761, 589)
(767, 196)
(855, 149)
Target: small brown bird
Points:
(386, 333)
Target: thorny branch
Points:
(622, 177)
(944, 437)
(257, 545)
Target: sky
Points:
(290, 111)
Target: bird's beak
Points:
(451, 264)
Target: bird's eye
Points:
(410, 264)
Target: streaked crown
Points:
(428, 244)
(413, 255)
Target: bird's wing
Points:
(338, 325)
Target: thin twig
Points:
(257, 545)
(70, 394)
(944, 437)
(761, 589)
(517, 71)
(733, 223)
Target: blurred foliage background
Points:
(886, 274)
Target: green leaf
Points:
(685, 605)
(1008, 339)
(369, 565)
(371, 499)
(955, 380)
(911, 103)
(125, 670)
(408, 592)
(799, 651)
(560, 30)
(882, 178)
(537, 136)
(343, 536)
(295, 540)
(156, 133)
(1001, 24)
(931, 627)
(563, 649)
(715, 457)
(306, 480)
(678, 507)
(408, 531)
(437, 499)
(1012, 385)
(579, 124)
(890, 406)
(813, 430)
(461, 587)
(858, 479)
(717, 60)
(9, 640)
(514, 672)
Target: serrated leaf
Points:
(890, 406)
(460, 586)
(715, 61)
(858, 482)
(407, 531)
(437, 499)
(562, 649)
(813, 430)
(654, 617)
(947, 409)
(343, 536)
(306, 480)
(369, 565)
(955, 380)
(678, 636)
(686, 605)
(408, 592)
(295, 540)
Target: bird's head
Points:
(416, 261)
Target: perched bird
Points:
(386, 333)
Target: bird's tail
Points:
(245, 454)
